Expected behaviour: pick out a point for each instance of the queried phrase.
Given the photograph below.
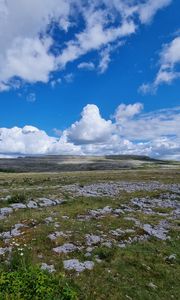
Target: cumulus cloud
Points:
(91, 128)
(169, 60)
(26, 140)
(29, 52)
(132, 131)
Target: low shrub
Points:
(34, 284)
(105, 253)
(21, 280)
(17, 198)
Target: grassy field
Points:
(147, 269)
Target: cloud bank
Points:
(31, 53)
(130, 131)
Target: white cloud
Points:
(104, 61)
(169, 60)
(86, 66)
(27, 40)
(170, 54)
(124, 112)
(69, 77)
(4, 87)
(94, 37)
(28, 59)
(91, 128)
(31, 97)
(156, 134)
(55, 82)
(23, 52)
(166, 77)
(148, 9)
(26, 140)
(149, 126)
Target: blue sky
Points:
(114, 62)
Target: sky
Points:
(97, 77)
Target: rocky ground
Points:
(122, 229)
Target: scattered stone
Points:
(117, 232)
(107, 244)
(165, 201)
(128, 297)
(98, 260)
(135, 239)
(122, 245)
(4, 250)
(66, 248)
(5, 211)
(152, 286)
(56, 234)
(48, 220)
(45, 202)
(59, 201)
(88, 254)
(42, 202)
(118, 211)
(89, 249)
(171, 257)
(65, 217)
(56, 225)
(160, 231)
(148, 268)
(49, 268)
(18, 206)
(100, 212)
(83, 217)
(12, 233)
(75, 264)
(32, 204)
(92, 239)
(137, 222)
(112, 189)
(120, 232)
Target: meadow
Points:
(90, 234)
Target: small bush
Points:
(17, 198)
(34, 284)
(20, 280)
(105, 253)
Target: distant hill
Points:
(63, 163)
(133, 157)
